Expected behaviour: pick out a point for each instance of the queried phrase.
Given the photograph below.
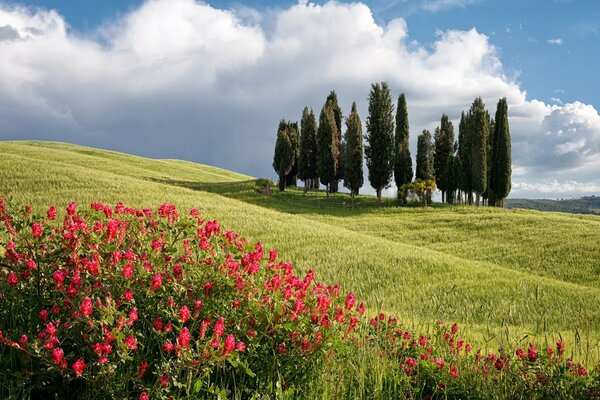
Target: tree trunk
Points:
(379, 196)
(477, 198)
(352, 197)
(443, 197)
(327, 191)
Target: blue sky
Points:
(160, 78)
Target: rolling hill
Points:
(504, 274)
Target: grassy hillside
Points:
(505, 274)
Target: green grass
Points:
(505, 275)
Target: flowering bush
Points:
(120, 302)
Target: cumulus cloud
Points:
(180, 78)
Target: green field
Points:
(505, 275)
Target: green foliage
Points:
(584, 205)
(480, 126)
(425, 153)
(444, 149)
(403, 171)
(283, 159)
(338, 116)
(294, 135)
(307, 163)
(501, 165)
(379, 149)
(327, 149)
(418, 189)
(465, 140)
(353, 176)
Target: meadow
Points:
(506, 276)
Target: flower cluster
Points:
(125, 302)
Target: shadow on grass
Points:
(292, 200)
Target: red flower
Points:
(454, 371)
(86, 307)
(144, 396)
(131, 342)
(57, 355)
(36, 230)
(71, 208)
(128, 295)
(228, 345)
(78, 367)
(142, 369)
(219, 327)
(454, 329)
(422, 341)
(13, 279)
(184, 314)
(158, 324)
(272, 255)
(241, 347)
(350, 300)
(183, 340)
(51, 213)
(282, 348)
(532, 352)
(156, 282)
(128, 271)
(164, 380)
(360, 309)
(208, 286)
(560, 348)
(133, 315)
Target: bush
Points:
(125, 303)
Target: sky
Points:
(209, 81)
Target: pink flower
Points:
(454, 329)
(86, 307)
(71, 208)
(78, 367)
(282, 348)
(131, 342)
(454, 371)
(144, 396)
(128, 295)
(142, 369)
(133, 315)
(532, 352)
(36, 230)
(158, 324)
(184, 314)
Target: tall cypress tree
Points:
(294, 135)
(480, 126)
(307, 163)
(283, 159)
(464, 154)
(327, 150)
(501, 162)
(337, 112)
(444, 149)
(489, 195)
(353, 175)
(379, 150)
(403, 171)
(424, 156)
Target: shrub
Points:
(135, 303)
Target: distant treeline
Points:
(584, 205)
(474, 169)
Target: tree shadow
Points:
(291, 201)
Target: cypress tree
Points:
(424, 157)
(307, 162)
(464, 154)
(444, 149)
(480, 127)
(403, 171)
(379, 150)
(353, 175)
(327, 151)
(501, 162)
(283, 159)
(489, 195)
(337, 113)
(294, 135)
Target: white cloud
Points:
(179, 78)
(555, 41)
(438, 5)
(555, 187)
